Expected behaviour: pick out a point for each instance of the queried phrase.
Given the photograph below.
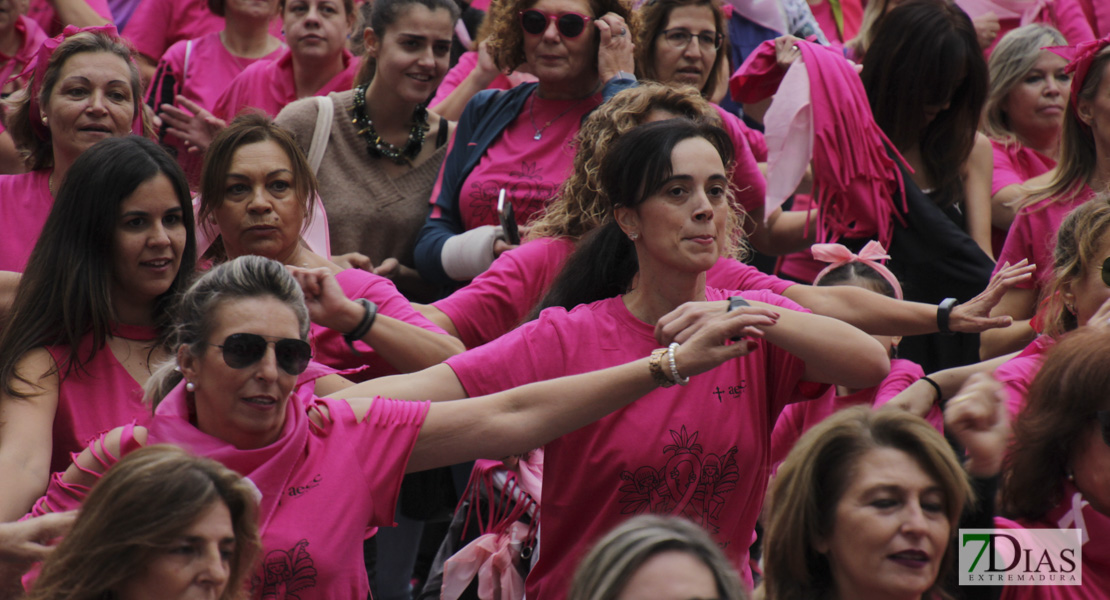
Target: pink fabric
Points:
(1016, 375)
(1014, 164)
(531, 171)
(211, 70)
(838, 255)
(1073, 512)
(458, 73)
(321, 487)
(758, 144)
(1098, 15)
(490, 557)
(43, 13)
(331, 349)
(699, 450)
(496, 301)
(1080, 57)
(23, 211)
(94, 398)
(268, 86)
(800, 417)
(33, 36)
(852, 14)
(156, 25)
(747, 180)
(1033, 236)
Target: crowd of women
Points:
(265, 261)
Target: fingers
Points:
(192, 106)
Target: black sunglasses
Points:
(1104, 423)
(242, 350)
(1105, 268)
(569, 24)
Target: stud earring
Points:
(634, 236)
(190, 386)
(44, 120)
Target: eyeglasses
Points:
(569, 24)
(680, 38)
(1104, 422)
(242, 350)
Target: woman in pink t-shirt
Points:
(91, 311)
(83, 87)
(1083, 170)
(327, 468)
(1024, 116)
(256, 196)
(193, 73)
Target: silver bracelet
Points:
(680, 380)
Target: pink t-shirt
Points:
(95, 398)
(747, 180)
(852, 14)
(800, 417)
(1017, 374)
(269, 86)
(1074, 512)
(33, 36)
(500, 298)
(529, 170)
(699, 450)
(1033, 236)
(331, 349)
(211, 69)
(321, 488)
(43, 13)
(158, 24)
(1014, 164)
(467, 61)
(23, 211)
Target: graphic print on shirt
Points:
(286, 573)
(691, 482)
(528, 192)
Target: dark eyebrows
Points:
(268, 175)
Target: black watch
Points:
(944, 311)
(735, 302)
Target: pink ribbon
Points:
(41, 60)
(491, 557)
(838, 255)
(1080, 57)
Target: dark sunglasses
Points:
(1104, 423)
(242, 350)
(569, 24)
(1105, 268)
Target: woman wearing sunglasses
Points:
(328, 468)
(257, 190)
(92, 311)
(517, 140)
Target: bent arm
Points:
(438, 317)
(406, 347)
(26, 435)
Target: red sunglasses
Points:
(569, 24)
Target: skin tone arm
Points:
(26, 441)
(1019, 304)
(977, 193)
(484, 73)
(1004, 204)
(404, 346)
(977, 417)
(784, 233)
(77, 12)
(920, 397)
(10, 161)
(438, 317)
(195, 125)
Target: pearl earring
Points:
(190, 387)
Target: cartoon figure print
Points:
(691, 482)
(286, 573)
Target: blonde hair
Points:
(1078, 241)
(1015, 55)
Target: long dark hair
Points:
(65, 291)
(917, 58)
(636, 166)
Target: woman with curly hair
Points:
(516, 140)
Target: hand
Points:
(986, 28)
(979, 420)
(786, 51)
(712, 344)
(31, 540)
(486, 70)
(353, 260)
(327, 305)
(500, 247)
(683, 322)
(389, 268)
(195, 126)
(614, 54)
(973, 316)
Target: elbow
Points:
(870, 364)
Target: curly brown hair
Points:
(580, 207)
(506, 38)
(1078, 242)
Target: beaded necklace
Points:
(379, 148)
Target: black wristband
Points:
(735, 302)
(944, 311)
(936, 386)
(370, 313)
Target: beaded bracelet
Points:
(679, 379)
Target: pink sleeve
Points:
(1017, 247)
(455, 76)
(757, 142)
(62, 496)
(228, 101)
(747, 180)
(1005, 171)
(149, 26)
(902, 373)
(1070, 20)
(731, 274)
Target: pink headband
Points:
(38, 65)
(871, 254)
(1079, 57)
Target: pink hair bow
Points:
(490, 557)
(838, 255)
(1080, 57)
